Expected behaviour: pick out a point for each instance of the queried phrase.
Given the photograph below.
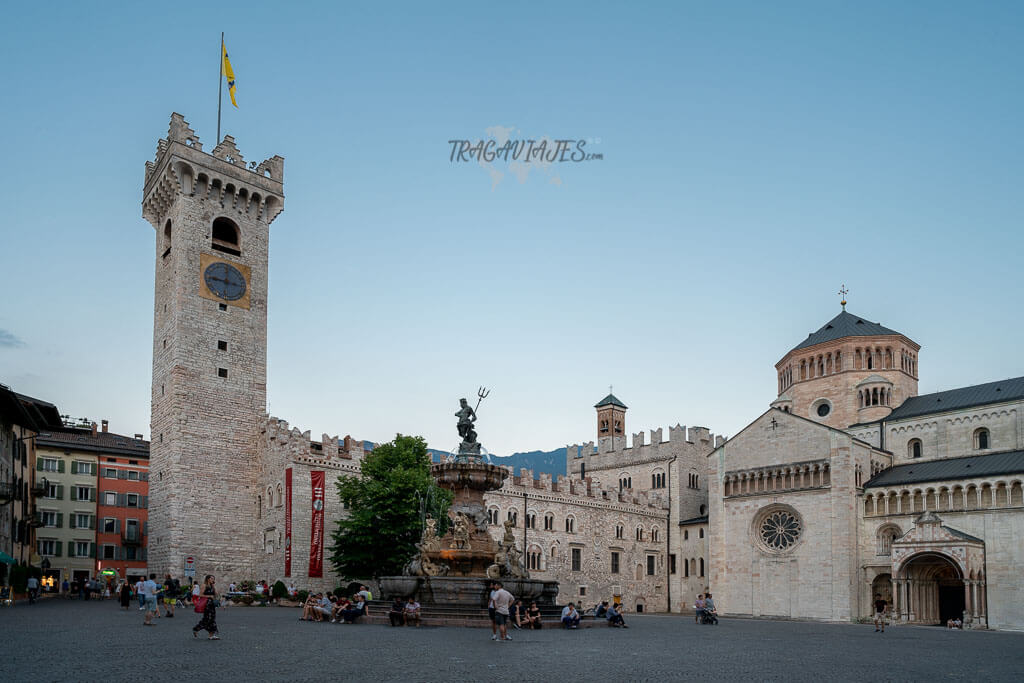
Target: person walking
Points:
(65, 589)
(33, 589)
(698, 607)
(492, 588)
(502, 601)
(205, 596)
(139, 594)
(170, 595)
(149, 591)
(880, 607)
(125, 595)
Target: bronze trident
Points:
(481, 393)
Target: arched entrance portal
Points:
(934, 588)
(882, 585)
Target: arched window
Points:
(513, 516)
(654, 535)
(702, 566)
(549, 522)
(280, 496)
(226, 236)
(619, 531)
(885, 537)
(686, 568)
(570, 525)
(701, 532)
(914, 448)
(703, 510)
(533, 557)
(981, 439)
(167, 237)
(639, 533)
(259, 507)
(531, 521)
(492, 516)
(693, 566)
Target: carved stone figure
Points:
(460, 531)
(467, 416)
(430, 542)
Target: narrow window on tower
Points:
(222, 345)
(225, 236)
(222, 372)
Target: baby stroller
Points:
(709, 617)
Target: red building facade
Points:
(122, 502)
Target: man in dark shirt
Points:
(880, 606)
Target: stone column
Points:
(974, 599)
(968, 601)
(894, 608)
(911, 599)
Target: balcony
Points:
(131, 538)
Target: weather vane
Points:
(843, 291)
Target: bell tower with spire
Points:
(212, 217)
(611, 422)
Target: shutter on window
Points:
(57, 548)
(60, 491)
(92, 550)
(60, 519)
(92, 468)
(119, 553)
(145, 555)
(92, 521)
(122, 474)
(74, 467)
(145, 528)
(122, 500)
(92, 495)
(117, 525)
(144, 476)
(60, 465)
(145, 502)
(39, 464)
(71, 548)
(71, 521)
(74, 493)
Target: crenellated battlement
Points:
(293, 444)
(181, 167)
(645, 447)
(575, 490)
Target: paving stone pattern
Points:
(75, 641)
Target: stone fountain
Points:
(454, 569)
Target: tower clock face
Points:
(225, 281)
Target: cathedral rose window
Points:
(778, 529)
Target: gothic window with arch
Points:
(657, 480)
(702, 566)
(514, 517)
(778, 528)
(885, 537)
(700, 532)
(492, 516)
(570, 525)
(619, 531)
(686, 569)
(914, 448)
(259, 507)
(531, 521)
(549, 522)
(604, 426)
(280, 496)
(639, 533)
(981, 439)
(703, 510)
(654, 535)
(533, 558)
(618, 427)
(167, 237)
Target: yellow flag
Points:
(229, 73)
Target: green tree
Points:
(385, 510)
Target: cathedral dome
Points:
(844, 325)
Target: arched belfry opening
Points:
(226, 236)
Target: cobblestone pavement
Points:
(76, 641)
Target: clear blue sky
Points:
(756, 157)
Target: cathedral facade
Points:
(853, 485)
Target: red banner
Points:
(288, 522)
(316, 537)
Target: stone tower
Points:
(212, 217)
(611, 423)
(849, 371)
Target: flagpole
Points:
(220, 83)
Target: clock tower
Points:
(212, 216)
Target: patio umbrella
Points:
(6, 559)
